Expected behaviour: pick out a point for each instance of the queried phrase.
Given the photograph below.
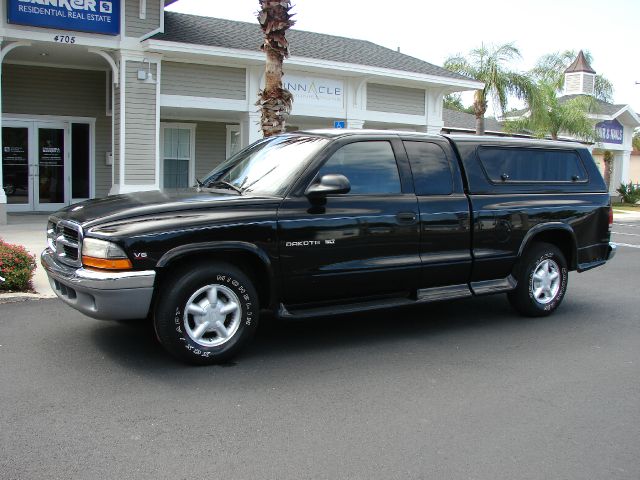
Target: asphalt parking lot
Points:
(454, 390)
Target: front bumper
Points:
(101, 295)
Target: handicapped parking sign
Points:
(339, 124)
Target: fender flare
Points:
(550, 226)
(205, 247)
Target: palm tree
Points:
(552, 116)
(490, 66)
(275, 102)
(550, 69)
(636, 140)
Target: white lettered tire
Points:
(206, 313)
(542, 276)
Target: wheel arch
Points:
(246, 256)
(556, 233)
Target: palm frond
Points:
(603, 89)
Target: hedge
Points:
(16, 267)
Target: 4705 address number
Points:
(64, 39)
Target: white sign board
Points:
(315, 91)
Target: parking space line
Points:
(626, 225)
(627, 245)
(630, 234)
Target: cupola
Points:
(579, 77)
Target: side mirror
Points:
(332, 184)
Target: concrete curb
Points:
(14, 297)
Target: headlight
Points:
(105, 255)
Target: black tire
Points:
(178, 332)
(540, 259)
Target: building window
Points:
(178, 155)
(234, 144)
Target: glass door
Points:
(36, 165)
(16, 167)
(51, 172)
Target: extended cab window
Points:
(531, 165)
(370, 167)
(430, 167)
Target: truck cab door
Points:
(445, 235)
(360, 244)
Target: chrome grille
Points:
(65, 240)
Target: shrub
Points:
(629, 192)
(16, 267)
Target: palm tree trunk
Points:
(479, 108)
(274, 101)
(480, 125)
(608, 168)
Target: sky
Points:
(434, 30)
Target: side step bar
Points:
(425, 295)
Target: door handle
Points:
(406, 217)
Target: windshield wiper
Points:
(225, 184)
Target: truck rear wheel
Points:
(542, 277)
(206, 314)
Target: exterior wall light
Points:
(145, 75)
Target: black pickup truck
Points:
(330, 222)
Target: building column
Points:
(250, 131)
(136, 125)
(433, 111)
(621, 164)
(3, 196)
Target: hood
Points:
(129, 206)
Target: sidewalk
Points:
(625, 215)
(29, 230)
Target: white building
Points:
(115, 96)
(615, 124)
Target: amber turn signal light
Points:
(107, 264)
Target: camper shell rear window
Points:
(504, 165)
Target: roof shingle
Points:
(217, 32)
(580, 64)
(455, 119)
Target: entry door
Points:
(51, 172)
(17, 166)
(36, 165)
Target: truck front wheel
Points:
(542, 277)
(206, 314)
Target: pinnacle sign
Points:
(95, 16)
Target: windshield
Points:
(268, 166)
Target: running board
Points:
(425, 295)
(487, 287)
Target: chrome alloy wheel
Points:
(212, 315)
(546, 281)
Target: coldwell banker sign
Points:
(610, 131)
(96, 16)
(314, 91)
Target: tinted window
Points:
(369, 166)
(531, 165)
(431, 169)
